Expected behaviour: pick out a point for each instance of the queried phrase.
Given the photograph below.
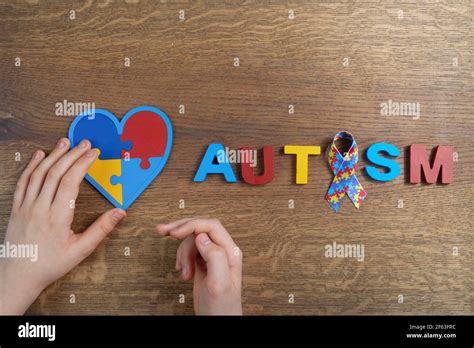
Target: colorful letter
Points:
(207, 166)
(374, 157)
(268, 168)
(442, 164)
(302, 153)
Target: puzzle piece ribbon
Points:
(345, 180)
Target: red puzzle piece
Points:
(148, 135)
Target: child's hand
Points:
(208, 254)
(42, 213)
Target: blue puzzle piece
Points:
(135, 179)
(100, 129)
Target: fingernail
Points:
(61, 144)
(91, 153)
(38, 155)
(205, 240)
(83, 144)
(117, 216)
(164, 231)
(184, 271)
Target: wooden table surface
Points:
(335, 62)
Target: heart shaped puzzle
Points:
(132, 152)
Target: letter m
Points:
(442, 164)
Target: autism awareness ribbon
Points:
(343, 168)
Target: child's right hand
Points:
(209, 255)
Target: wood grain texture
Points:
(282, 61)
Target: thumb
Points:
(218, 272)
(88, 240)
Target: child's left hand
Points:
(42, 214)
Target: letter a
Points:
(208, 166)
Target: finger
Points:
(87, 241)
(56, 172)
(200, 271)
(185, 256)
(218, 272)
(69, 186)
(235, 262)
(22, 183)
(213, 227)
(164, 229)
(38, 175)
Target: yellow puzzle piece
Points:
(102, 170)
